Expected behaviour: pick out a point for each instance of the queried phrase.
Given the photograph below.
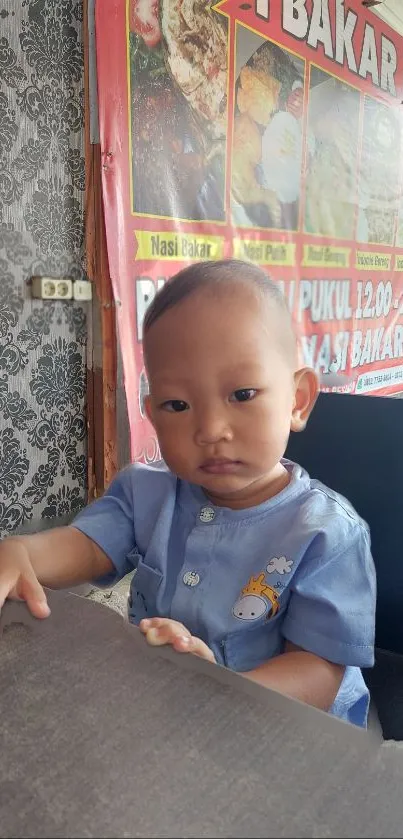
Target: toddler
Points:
(240, 556)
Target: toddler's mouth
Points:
(220, 466)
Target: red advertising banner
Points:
(270, 131)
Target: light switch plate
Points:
(82, 290)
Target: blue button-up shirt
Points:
(297, 567)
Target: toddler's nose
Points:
(211, 428)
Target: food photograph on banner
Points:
(269, 132)
(332, 159)
(178, 81)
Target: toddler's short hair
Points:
(211, 276)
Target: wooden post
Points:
(102, 349)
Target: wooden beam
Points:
(102, 355)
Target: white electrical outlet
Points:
(52, 288)
(82, 290)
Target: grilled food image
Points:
(178, 58)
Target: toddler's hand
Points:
(161, 631)
(18, 580)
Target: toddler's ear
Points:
(306, 393)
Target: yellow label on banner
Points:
(265, 253)
(325, 256)
(399, 262)
(175, 247)
(373, 261)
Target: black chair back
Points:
(354, 444)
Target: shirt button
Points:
(207, 514)
(191, 578)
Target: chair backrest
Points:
(354, 444)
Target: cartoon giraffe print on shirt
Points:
(257, 597)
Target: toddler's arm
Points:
(56, 558)
(295, 673)
(301, 675)
(329, 623)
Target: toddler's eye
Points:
(243, 395)
(175, 406)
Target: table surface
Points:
(101, 735)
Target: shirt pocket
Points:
(248, 648)
(143, 592)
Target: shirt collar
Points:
(192, 497)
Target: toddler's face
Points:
(224, 394)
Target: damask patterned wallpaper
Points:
(42, 345)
